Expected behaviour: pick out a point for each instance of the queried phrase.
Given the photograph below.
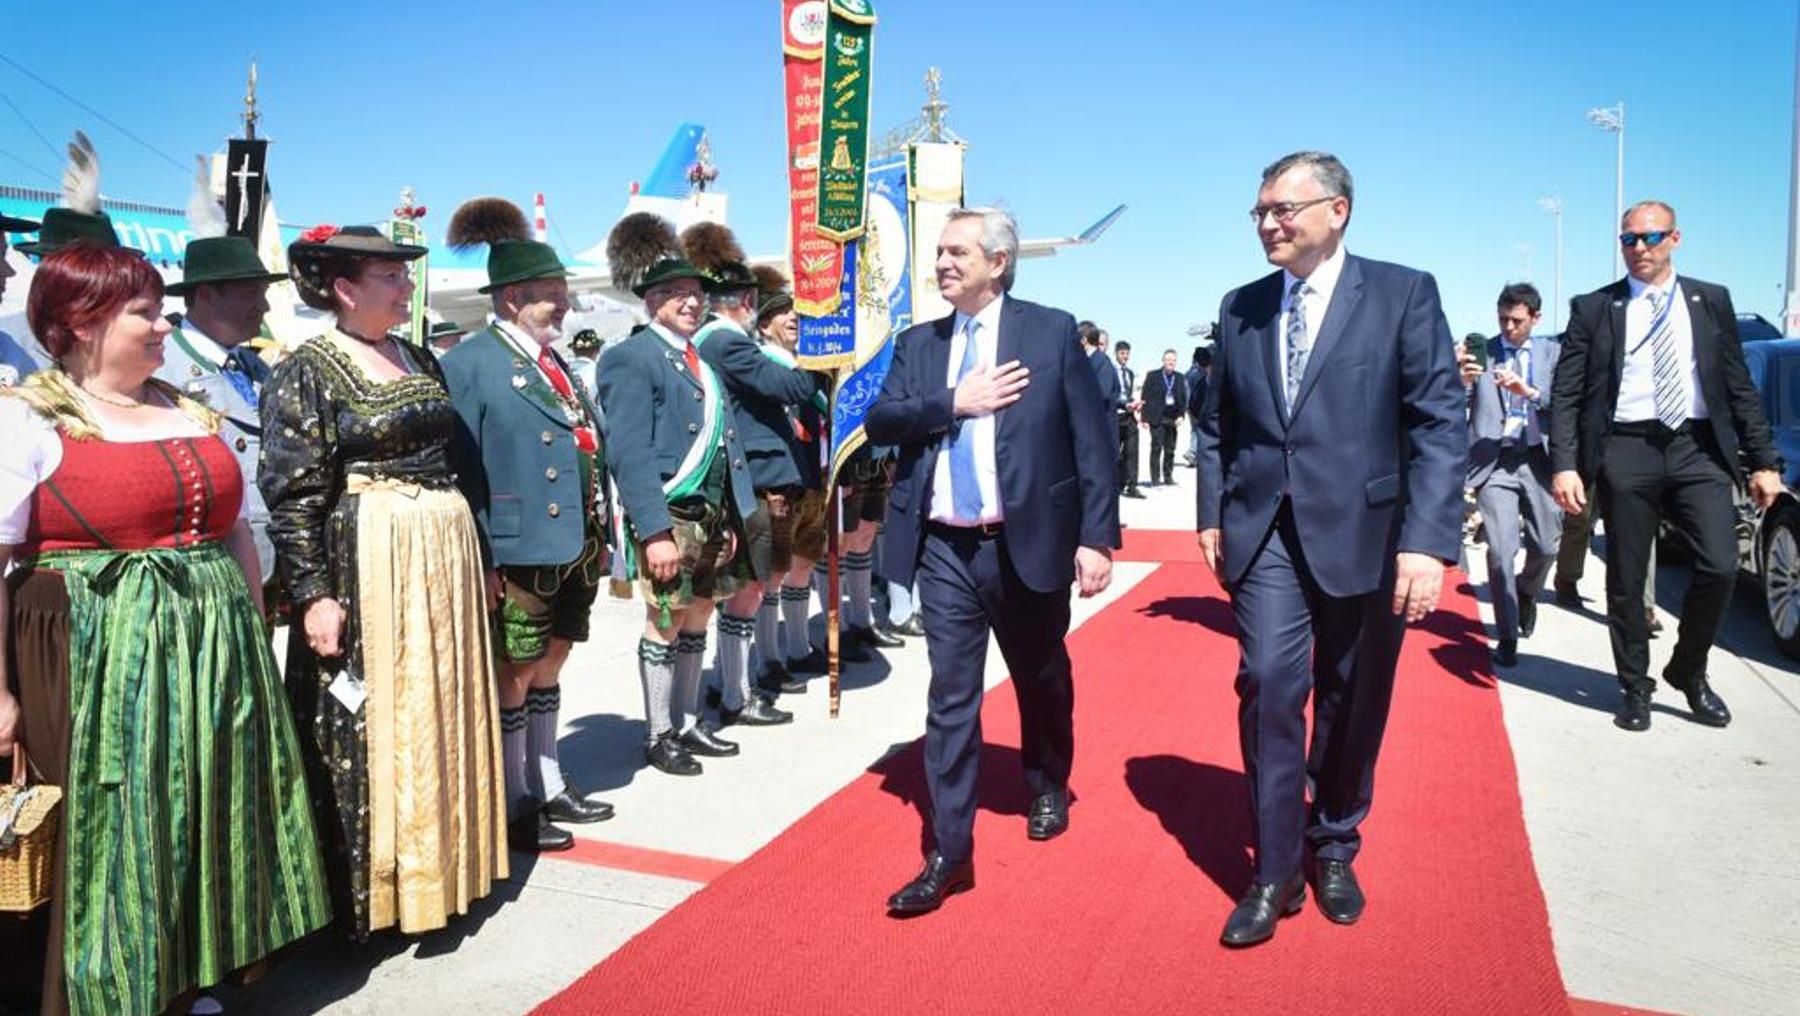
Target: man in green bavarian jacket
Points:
(531, 464)
(685, 488)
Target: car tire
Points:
(1781, 577)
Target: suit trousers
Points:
(967, 587)
(1571, 552)
(1297, 642)
(1128, 451)
(1516, 509)
(1162, 451)
(1649, 474)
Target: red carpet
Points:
(1122, 914)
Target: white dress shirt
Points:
(203, 344)
(981, 428)
(1320, 285)
(1637, 382)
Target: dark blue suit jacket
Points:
(1056, 459)
(1374, 455)
(761, 392)
(1109, 380)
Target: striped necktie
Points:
(1666, 370)
(965, 478)
(1298, 342)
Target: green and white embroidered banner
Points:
(844, 127)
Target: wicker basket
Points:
(27, 839)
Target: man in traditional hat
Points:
(15, 360)
(532, 469)
(585, 361)
(778, 332)
(225, 287)
(683, 481)
(443, 336)
(766, 384)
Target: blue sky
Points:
(1454, 120)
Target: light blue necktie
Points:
(965, 481)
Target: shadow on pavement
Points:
(603, 751)
(1000, 787)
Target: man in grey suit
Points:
(1509, 463)
(225, 286)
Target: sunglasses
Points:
(1653, 238)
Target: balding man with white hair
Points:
(999, 381)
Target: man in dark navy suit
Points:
(1003, 495)
(1330, 498)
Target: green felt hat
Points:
(221, 259)
(729, 276)
(64, 226)
(668, 270)
(511, 261)
(8, 224)
(773, 304)
(585, 341)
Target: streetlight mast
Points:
(1612, 120)
(1555, 207)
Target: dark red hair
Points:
(81, 286)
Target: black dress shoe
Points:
(566, 807)
(667, 754)
(1634, 712)
(852, 649)
(1655, 623)
(533, 834)
(1527, 616)
(1568, 596)
(756, 713)
(1264, 903)
(938, 881)
(1703, 702)
(1133, 492)
(1506, 654)
(814, 662)
(1049, 815)
(877, 639)
(913, 626)
(700, 741)
(775, 680)
(1334, 885)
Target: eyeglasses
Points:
(1284, 211)
(1652, 239)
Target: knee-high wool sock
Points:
(543, 705)
(858, 571)
(734, 659)
(768, 626)
(690, 658)
(512, 757)
(796, 604)
(656, 669)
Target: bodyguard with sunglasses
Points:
(1654, 406)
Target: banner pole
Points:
(834, 525)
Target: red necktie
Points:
(693, 359)
(584, 436)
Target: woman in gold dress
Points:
(389, 664)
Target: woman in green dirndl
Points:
(138, 670)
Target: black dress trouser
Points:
(1128, 449)
(1649, 473)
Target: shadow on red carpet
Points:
(1122, 914)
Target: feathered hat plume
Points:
(709, 245)
(81, 179)
(769, 280)
(486, 221)
(638, 241)
(204, 214)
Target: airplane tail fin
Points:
(668, 178)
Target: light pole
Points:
(1554, 207)
(1612, 120)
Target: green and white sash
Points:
(698, 462)
(786, 359)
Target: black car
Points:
(1769, 542)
